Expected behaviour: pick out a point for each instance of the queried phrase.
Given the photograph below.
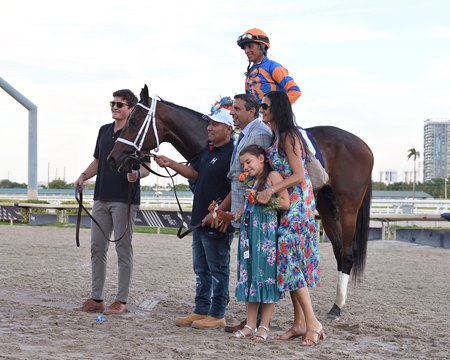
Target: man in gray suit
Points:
(245, 113)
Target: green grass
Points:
(137, 228)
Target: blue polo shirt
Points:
(212, 182)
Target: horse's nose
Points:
(112, 162)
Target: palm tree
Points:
(413, 153)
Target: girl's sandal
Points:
(240, 334)
(257, 336)
(318, 335)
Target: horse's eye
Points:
(133, 122)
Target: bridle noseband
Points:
(149, 119)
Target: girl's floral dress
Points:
(257, 272)
(297, 251)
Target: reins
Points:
(81, 207)
(138, 158)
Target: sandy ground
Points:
(401, 310)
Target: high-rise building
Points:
(436, 149)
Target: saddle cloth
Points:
(312, 145)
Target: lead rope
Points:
(180, 234)
(81, 207)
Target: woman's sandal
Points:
(319, 335)
(290, 335)
(257, 335)
(240, 334)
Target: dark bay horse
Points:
(343, 205)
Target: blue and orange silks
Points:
(267, 76)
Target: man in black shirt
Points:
(111, 209)
(210, 247)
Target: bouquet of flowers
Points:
(272, 204)
(224, 103)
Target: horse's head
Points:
(154, 121)
(139, 134)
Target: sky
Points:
(376, 68)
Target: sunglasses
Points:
(118, 104)
(264, 106)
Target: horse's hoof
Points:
(334, 313)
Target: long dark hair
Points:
(257, 150)
(283, 116)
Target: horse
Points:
(343, 204)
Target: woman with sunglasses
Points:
(297, 243)
(264, 75)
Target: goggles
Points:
(250, 37)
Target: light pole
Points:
(445, 190)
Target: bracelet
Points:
(84, 175)
(273, 191)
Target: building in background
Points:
(389, 176)
(436, 149)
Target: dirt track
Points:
(400, 310)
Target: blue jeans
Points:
(211, 260)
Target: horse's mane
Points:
(171, 104)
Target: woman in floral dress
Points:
(257, 268)
(297, 256)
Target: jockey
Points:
(264, 75)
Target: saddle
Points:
(314, 162)
(221, 219)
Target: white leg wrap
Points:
(341, 291)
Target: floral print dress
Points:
(257, 270)
(297, 249)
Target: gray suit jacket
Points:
(258, 133)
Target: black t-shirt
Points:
(111, 185)
(212, 182)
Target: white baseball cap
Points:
(222, 116)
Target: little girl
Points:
(257, 268)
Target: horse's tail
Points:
(361, 235)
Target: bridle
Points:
(149, 119)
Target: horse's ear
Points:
(144, 94)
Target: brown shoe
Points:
(188, 320)
(92, 306)
(210, 322)
(116, 308)
(232, 329)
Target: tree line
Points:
(61, 184)
(434, 187)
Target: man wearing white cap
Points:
(210, 247)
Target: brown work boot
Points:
(116, 308)
(210, 322)
(188, 320)
(234, 328)
(92, 306)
